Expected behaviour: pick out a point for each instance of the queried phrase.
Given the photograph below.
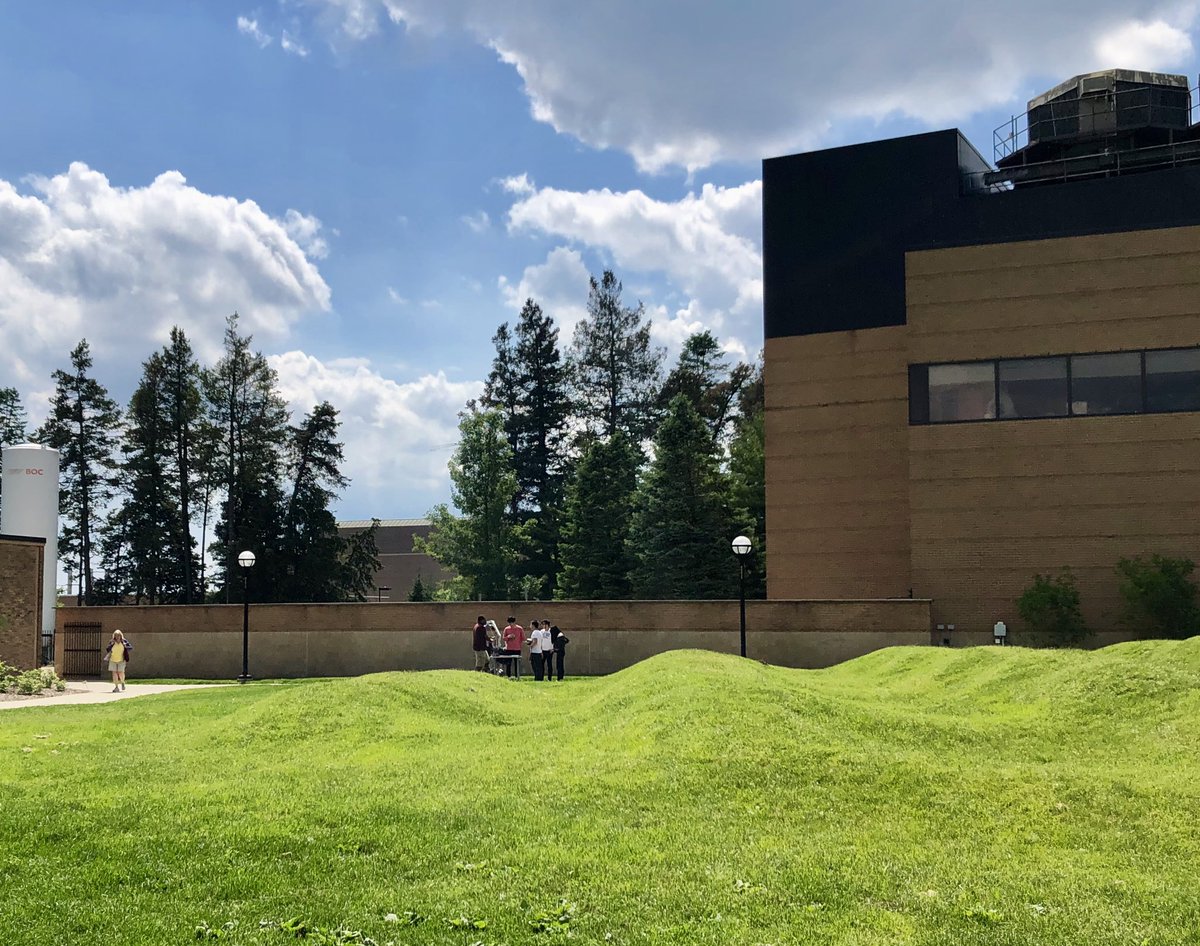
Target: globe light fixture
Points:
(741, 548)
(246, 561)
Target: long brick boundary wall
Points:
(21, 564)
(312, 640)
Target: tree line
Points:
(588, 474)
(207, 448)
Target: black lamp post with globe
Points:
(741, 548)
(246, 561)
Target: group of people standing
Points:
(499, 651)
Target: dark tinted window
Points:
(1106, 384)
(1033, 387)
(1173, 380)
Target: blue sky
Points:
(376, 185)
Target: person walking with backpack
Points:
(118, 652)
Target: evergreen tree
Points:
(251, 418)
(359, 563)
(616, 371)
(704, 377)
(82, 426)
(12, 419)
(419, 592)
(682, 522)
(483, 544)
(502, 389)
(181, 403)
(748, 494)
(595, 556)
(538, 431)
(149, 519)
(312, 549)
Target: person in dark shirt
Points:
(479, 644)
(559, 640)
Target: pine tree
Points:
(359, 563)
(312, 548)
(483, 544)
(538, 432)
(419, 592)
(704, 377)
(682, 521)
(12, 419)
(251, 418)
(82, 426)
(616, 371)
(502, 390)
(747, 482)
(149, 518)
(595, 556)
(181, 403)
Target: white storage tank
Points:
(29, 506)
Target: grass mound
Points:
(917, 796)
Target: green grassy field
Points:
(915, 796)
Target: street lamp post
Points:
(246, 561)
(741, 548)
(381, 589)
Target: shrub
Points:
(1160, 599)
(1050, 609)
(29, 682)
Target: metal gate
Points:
(82, 648)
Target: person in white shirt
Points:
(541, 651)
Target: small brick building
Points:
(22, 561)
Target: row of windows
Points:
(1127, 382)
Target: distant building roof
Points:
(383, 523)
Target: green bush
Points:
(1160, 599)
(29, 682)
(1050, 609)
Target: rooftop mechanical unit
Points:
(1113, 122)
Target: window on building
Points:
(1106, 384)
(1173, 380)
(962, 392)
(1033, 387)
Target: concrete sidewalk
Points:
(93, 691)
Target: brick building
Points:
(21, 569)
(400, 565)
(977, 373)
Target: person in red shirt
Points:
(513, 638)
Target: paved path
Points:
(100, 692)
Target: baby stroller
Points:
(493, 646)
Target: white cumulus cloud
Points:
(398, 436)
(80, 257)
(559, 285)
(1141, 45)
(708, 245)
(688, 85)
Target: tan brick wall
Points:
(300, 640)
(21, 602)
(859, 503)
(837, 465)
(994, 503)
